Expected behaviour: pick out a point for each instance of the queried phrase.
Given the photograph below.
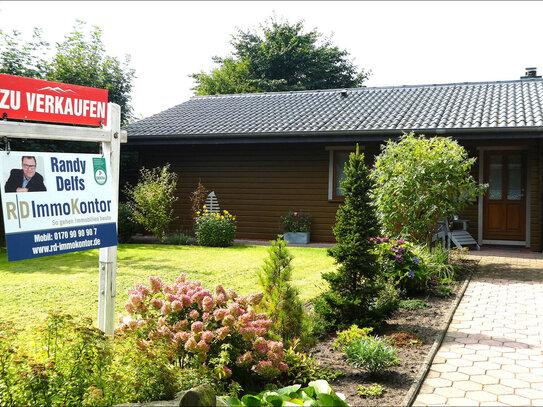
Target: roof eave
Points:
(335, 136)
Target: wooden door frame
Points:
(481, 151)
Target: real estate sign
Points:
(56, 203)
(39, 100)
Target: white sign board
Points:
(56, 203)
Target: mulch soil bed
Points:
(424, 323)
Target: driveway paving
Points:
(492, 354)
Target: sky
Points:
(402, 43)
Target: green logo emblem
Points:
(100, 174)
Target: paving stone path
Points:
(492, 354)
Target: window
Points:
(339, 156)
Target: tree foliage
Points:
(24, 58)
(355, 287)
(418, 182)
(151, 200)
(80, 59)
(281, 58)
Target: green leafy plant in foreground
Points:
(317, 393)
(372, 354)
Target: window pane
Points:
(341, 158)
(514, 163)
(495, 177)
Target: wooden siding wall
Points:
(257, 183)
(260, 183)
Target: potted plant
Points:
(296, 226)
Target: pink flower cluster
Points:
(194, 323)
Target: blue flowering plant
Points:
(398, 261)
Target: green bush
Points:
(126, 226)
(214, 229)
(372, 354)
(70, 368)
(142, 374)
(418, 182)
(151, 200)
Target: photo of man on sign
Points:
(25, 179)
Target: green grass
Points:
(29, 289)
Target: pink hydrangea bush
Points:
(194, 326)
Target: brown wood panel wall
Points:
(257, 183)
(260, 183)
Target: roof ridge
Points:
(366, 88)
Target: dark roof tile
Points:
(450, 106)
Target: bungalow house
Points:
(264, 154)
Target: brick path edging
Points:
(423, 371)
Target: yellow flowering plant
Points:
(214, 229)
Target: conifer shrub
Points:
(354, 293)
(281, 301)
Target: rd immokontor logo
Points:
(100, 174)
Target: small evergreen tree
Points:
(281, 300)
(353, 294)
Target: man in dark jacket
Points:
(25, 180)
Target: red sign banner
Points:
(44, 101)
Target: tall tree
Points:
(24, 58)
(282, 57)
(79, 60)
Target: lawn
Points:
(29, 289)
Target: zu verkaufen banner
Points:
(45, 101)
